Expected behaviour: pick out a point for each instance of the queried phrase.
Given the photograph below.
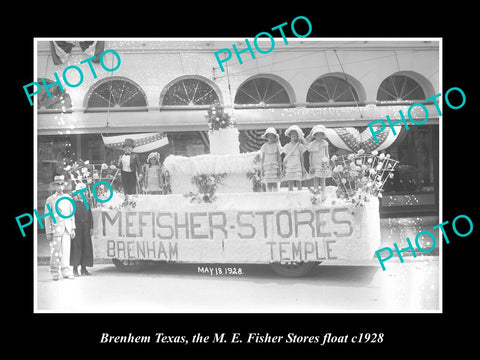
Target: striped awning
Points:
(144, 142)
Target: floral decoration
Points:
(316, 196)
(207, 186)
(118, 202)
(217, 118)
(255, 174)
(167, 189)
(360, 175)
(85, 172)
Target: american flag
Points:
(349, 138)
(251, 140)
(61, 50)
(144, 142)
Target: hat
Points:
(269, 130)
(80, 186)
(294, 128)
(153, 154)
(318, 129)
(59, 179)
(129, 142)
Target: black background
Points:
(404, 334)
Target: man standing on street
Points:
(60, 233)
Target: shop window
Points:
(416, 155)
(251, 140)
(262, 91)
(400, 88)
(57, 100)
(189, 92)
(52, 154)
(188, 143)
(331, 89)
(116, 93)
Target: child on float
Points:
(153, 174)
(271, 160)
(294, 168)
(129, 164)
(318, 148)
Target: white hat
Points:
(295, 128)
(318, 129)
(270, 130)
(153, 154)
(59, 179)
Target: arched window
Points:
(189, 91)
(262, 91)
(116, 92)
(331, 89)
(400, 88)
(58, 100)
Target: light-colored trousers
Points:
(60, 254)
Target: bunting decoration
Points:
(251, 140)
(144, 142)
(349, 138)
(61, 50)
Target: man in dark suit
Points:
(130, 164)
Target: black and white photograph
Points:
(283, 173)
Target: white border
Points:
(35, 179)
(306, 39)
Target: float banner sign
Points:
(209, 232)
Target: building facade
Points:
(168, 85)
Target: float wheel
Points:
(293, 269)
(130, 265)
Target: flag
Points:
(144, 142)
(91, 48)
(349, 138)
(61, 50)
(251, 140)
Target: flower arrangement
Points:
(255, 174)
(108, 172)
(167, 189)
(103, 192)
(217, 118)
(118, 202)
(316, 196)
(207, 187)
(81, 171)
(360, 175)
(84, 171)
(89, 174)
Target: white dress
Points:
(271, 166)
(319, 150)
(293, 165)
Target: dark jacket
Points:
(81, 247)
(135, 164)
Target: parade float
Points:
(217, 213)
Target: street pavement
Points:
(412, 286)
